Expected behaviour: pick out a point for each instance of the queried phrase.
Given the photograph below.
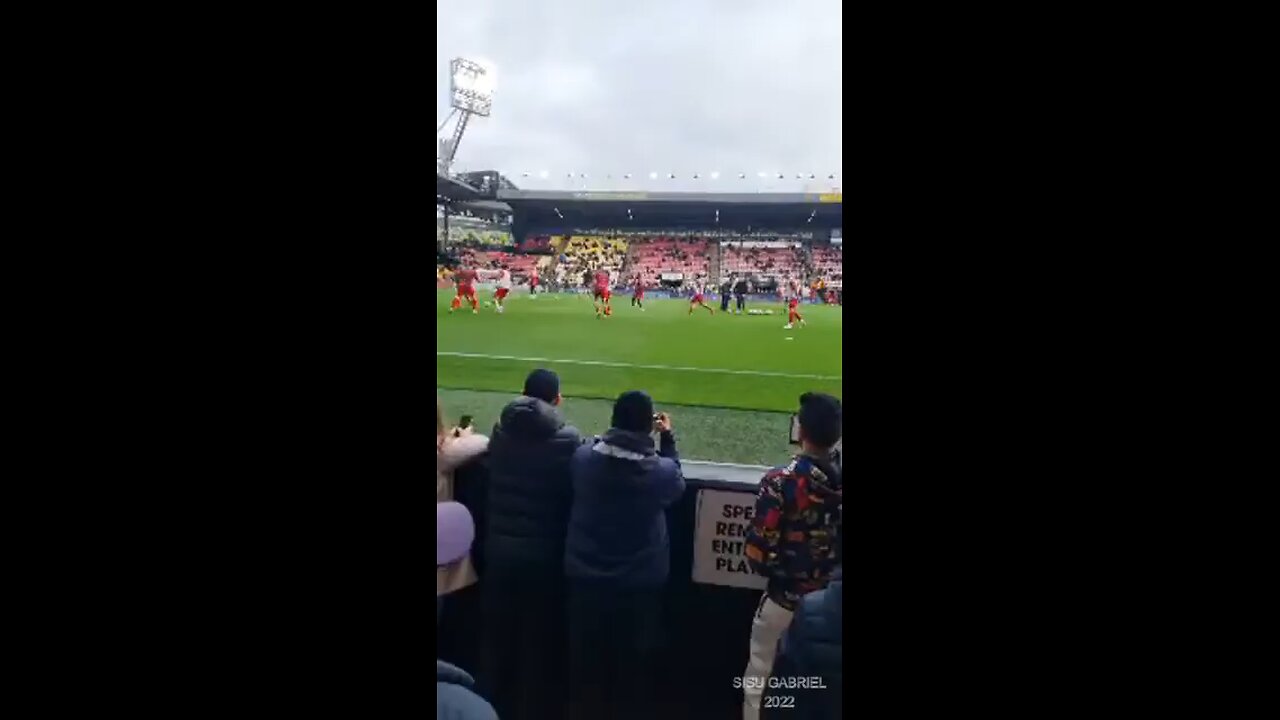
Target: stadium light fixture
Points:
(715, 175)
(653, 176)
(742, 176)
(543, 174)
(695, 176)
(471, 84)
(762, 174)
(627, 176)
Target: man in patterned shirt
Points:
(795, 535)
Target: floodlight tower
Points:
(471, 93)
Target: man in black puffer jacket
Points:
(530, 495)
(811, 648)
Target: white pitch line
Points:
(760, 373)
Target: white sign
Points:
(719, 535)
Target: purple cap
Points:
(454, 532)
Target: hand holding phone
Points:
(661, 422)
(464, 426)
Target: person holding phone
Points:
(454, 448)
(617, 557)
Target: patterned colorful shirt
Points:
(795, 535)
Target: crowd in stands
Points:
(579, 253)
(781, 262)
(573, 555)
(564, 260)
(828, 264)
(478, 235)
(650, 257)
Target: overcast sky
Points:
(667, 86)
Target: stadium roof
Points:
(454, 190)
(548, 211)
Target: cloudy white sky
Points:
(668, 86)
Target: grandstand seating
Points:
(670, 255)
(583, 251)
(828, 264)
(782, 262)
(536, 244)
(469, 235)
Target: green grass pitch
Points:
(729, 381)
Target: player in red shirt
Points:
(533, 281)
(637, 297)
(465, 279)
(699, 296)
(602, 294)
(793, 306)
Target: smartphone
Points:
(465, 422)
(794, 436)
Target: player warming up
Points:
(504, 288)
(637, 298)
(464, 280)
(793, 306)
(533, 281)
(601, 294)
(699, 296)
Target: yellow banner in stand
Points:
(831, 198)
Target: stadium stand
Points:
(827, 263)
(651, 257)
(782, 262)
(595, 251)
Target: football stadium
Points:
(639, 415)
(729, 377)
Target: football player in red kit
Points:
(699, 296)
(637, 299)
(465, 278)
(601, 294)
(533, 280)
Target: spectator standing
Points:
(795, 535)
(454, 696)
(523, 590)
(617, 558)
(726, 286)
(812, 648)
(454, 448)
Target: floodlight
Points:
(715, 174)
(471, 86)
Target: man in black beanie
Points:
(523, 587)
(617, 558)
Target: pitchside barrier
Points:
(709, 599)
